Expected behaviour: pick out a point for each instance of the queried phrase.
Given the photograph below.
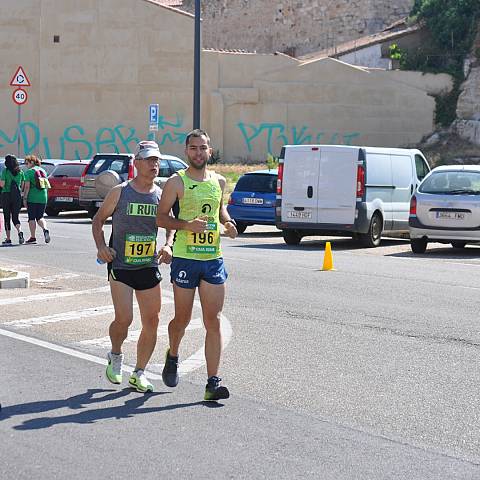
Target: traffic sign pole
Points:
(19, 120)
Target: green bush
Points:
(272, 162)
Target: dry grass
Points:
(7, 273)
(232, 172)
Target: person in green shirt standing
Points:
(11, 181)
(35, 199)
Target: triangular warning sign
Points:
(20, 79)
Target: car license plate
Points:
(254, 201)
(64, 199)
(299, 214)
(98, 204)
(451, 215)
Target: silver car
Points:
(446, 208)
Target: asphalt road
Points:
(369, 371)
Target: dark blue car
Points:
(252, 202)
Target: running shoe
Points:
(214, 391)
(21, 239)
(114, 367)
(170, 370)
(139, 381)
(31, 240)
(47, 236)
(7, 242)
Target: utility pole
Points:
(196, 68)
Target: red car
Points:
(65, 183)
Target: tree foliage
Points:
(452, 23)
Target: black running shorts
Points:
(142, 279)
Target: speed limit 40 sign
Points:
(20, 96)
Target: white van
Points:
(345, 190)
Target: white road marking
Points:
(68, 351)
(53, 278)
(70, 315)
(133, 335)
(49, 296)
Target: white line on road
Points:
(190, 364)
(49, 296)
(53, 278)
(71, 315)
(67, 351)
(134, 335)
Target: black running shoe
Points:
(170, 370)
(31, 240)
(214, 391)
(21, 239)
(47, 236)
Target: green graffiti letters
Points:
(278, 133)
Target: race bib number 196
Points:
(206, 242)
(139, 249)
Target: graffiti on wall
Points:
(75, 143)
(278, 133)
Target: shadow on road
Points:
(339, 244)
(130, 408)
(445, 252)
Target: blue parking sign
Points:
(153, 117)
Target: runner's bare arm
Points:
(172, 190)
(106, 210)
(225, 219)
(26, 189)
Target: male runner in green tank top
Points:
(197, 256)
(133, 260)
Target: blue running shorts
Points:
(188, 273)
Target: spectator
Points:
(35, 198)
(11, 181)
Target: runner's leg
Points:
(122, 296)
(183, 313)
(212, 298)
(149, 302)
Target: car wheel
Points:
(52, 212)
(291, 237)
(458, 244)
(418, 245)
(241, 227)
(373, 237)
(92, 211)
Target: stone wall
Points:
(467, 124)
(293, 26)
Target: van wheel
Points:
(458, 244)
(418, 245)
(241, 227)
(291, 237)
(373, 237)
(92, 211)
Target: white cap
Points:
(147, 148)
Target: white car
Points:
(446, 208)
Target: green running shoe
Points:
(214, 391)
(139, 381)
(114, 367)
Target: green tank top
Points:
(200, 199)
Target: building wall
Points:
(91, 91)
(292, 26)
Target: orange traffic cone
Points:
(328, 259)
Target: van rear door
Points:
(403, 178)
(336, 187)
(300, 174)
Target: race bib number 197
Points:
(139, 249)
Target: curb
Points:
(13, 279)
